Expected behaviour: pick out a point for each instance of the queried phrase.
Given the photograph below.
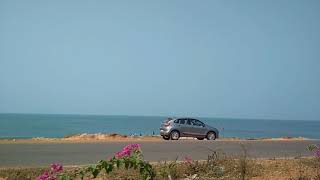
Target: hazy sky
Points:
(241, 59)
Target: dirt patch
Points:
(83, 138)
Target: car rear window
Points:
(167, 120)
(180, 121)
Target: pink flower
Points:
(127, 150)
(119, 154)
(52, 178)
(317, 152)
(188, 159)
(51, 175)
(132, 147)
(123, 153)
(44, 176)
(56, 168)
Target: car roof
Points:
(184, 118)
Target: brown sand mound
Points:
(98, 136)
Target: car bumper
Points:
(164, 132)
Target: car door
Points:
(188, 128)
(198, 127)
(182, 127)
(202, 127)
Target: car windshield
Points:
(196, 122)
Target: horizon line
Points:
(98, 114)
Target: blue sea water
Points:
(49, 125)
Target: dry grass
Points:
(20, 173)
(289, 169)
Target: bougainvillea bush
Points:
(130, 157)
(55, 172)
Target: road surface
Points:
(43, 154)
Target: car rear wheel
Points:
(200, 138)
(166, 137)
(211, 135)
(175, 135)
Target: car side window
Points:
(189, 121)
(182, 121)
(196, 122)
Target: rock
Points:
(191, 177)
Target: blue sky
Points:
(241, 59)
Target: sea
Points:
(13, 126)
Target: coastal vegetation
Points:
(129, 164)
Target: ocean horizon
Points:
(14, 126)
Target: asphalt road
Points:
(21, 155)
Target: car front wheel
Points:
(211, 135)
(174, 135)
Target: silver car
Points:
(187, 127)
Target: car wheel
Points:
(166, 137)
(174, 135)
(211, 135)
(200, 138)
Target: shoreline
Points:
(114, 137)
